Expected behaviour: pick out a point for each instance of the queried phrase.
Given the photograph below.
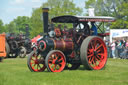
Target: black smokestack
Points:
(45, 19)
(27, 30)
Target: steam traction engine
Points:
(69, 48)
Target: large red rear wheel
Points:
(36, 62)
(93, 53)
(55, 61)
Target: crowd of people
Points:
(118, 49)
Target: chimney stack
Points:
(45, 19)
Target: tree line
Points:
(114, 8)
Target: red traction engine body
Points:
(68, 49)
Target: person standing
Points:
(126, 44)
(113, 45)
(119, 48)
(93, 28)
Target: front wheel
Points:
(55, 61)
(93, 53)
(36, 62)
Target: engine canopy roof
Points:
(77, 19)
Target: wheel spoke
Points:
(95, 44)
(99, 57)
(98, 51)
(39, 66)
(90, 50)
(90, 55)
(95, 61)
(56, 56)
(54, 67)
(91, 59)
(34, 66)
(91, 46)
(101, 54)
(99, 47)
(60, 60)
(92, 62)
(59, 65)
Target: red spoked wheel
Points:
(55, 61)
(36, 62)
(93, 53)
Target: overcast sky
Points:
(10, 9)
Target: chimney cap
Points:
(45, 9)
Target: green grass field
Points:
(16, 72)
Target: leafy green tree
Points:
(2, 29)
(11, 27)
(20, 23)
(104, 7)
(36, 22)
(122, 18)
(115, 8)
(57, 8)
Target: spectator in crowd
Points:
(124, 54)
(119, 48)
(123, 42)
(116, 47)
(107, 42)
(113, 45)
(126, 45)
